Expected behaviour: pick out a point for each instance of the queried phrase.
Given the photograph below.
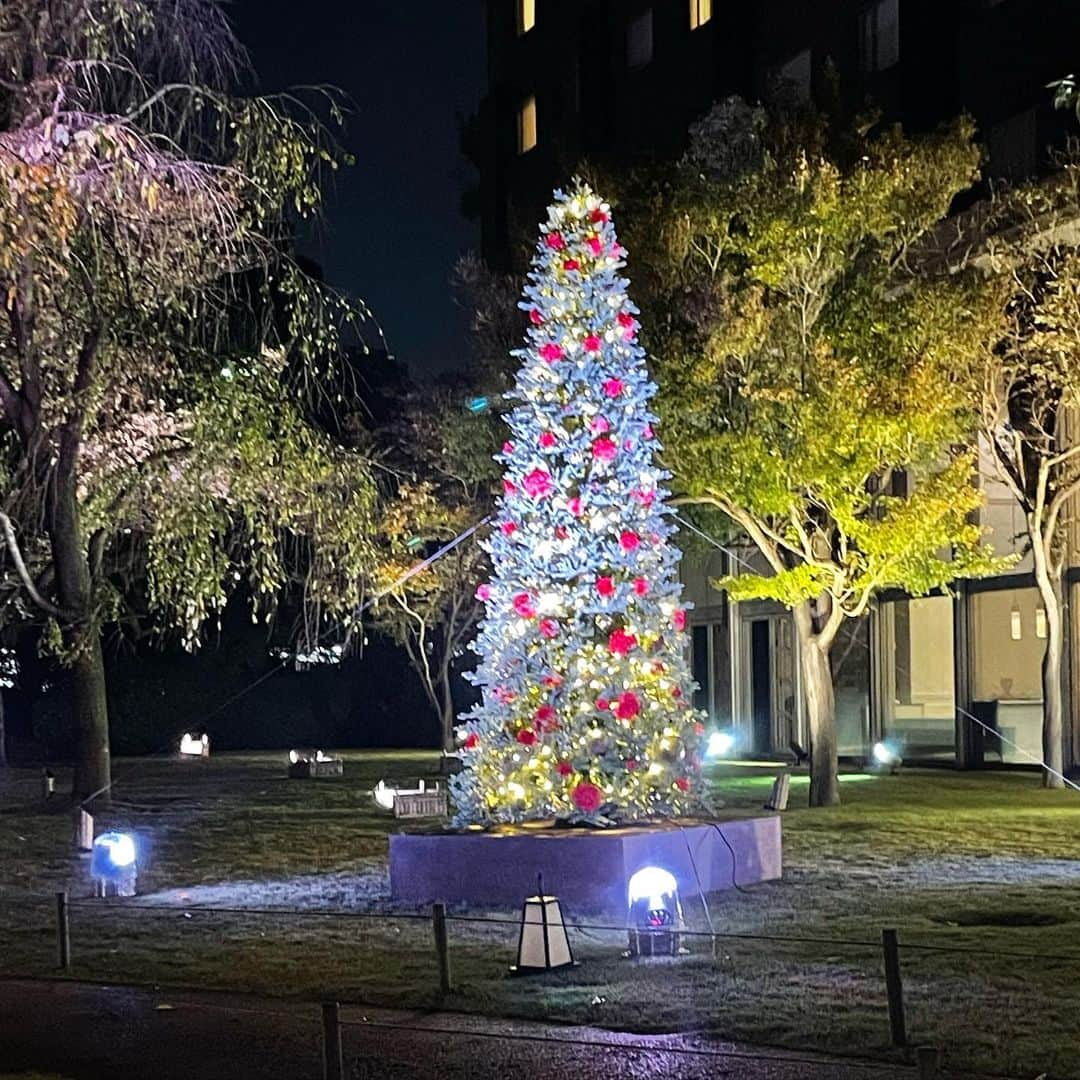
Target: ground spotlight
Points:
(655, 917)
(886, 756)
(113, 864)
(720, 744)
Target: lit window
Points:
(879, 36)
(639, 40)
(527, 125)
(700, 13)
(526, 15)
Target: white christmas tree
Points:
(586, 711)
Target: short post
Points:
(84, 830)
(333, 1062)
(63, 932)
(894, 987)
(442, 945)
(48, 784)
(929, 1061)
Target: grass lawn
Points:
(983, 862)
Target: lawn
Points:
(986, 864)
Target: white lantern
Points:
(542, 944)
(655, 916)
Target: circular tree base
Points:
(588, 869)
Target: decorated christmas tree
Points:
(586, 712)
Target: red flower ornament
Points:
(508, 528)
(527, 737)
(535, 317)
(613, 387)
(549, 628)
(588, 798)
(545, 718)
(550, 352)
(592, 343)
(547, 440)
(555, 241)
(564, 768)
(631, 764)
(595, 245)
(620, 642)
(682, 783)
(604, 448)
(629, 541)
(537, 484)
(598, 216)
(627, 706)
(641, 586)
(472, 740)
(605, 586)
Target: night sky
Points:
(393, 223)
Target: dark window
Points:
(879, 36)
(639, 40)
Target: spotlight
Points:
(194, 745)
(113, 866)
(887, 757)
(655, 914)
(720, 744)
(313, 764)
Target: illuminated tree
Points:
(149, 443)
(812, 387)
(586, 710)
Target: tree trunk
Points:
(3, 733)
(81, 640)
(816, 670)
(1053, 733)
(447, 712)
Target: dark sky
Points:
(393, 226)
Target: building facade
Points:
(619, 81)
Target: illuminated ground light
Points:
(887, 756)
(720, 744)
(113, 864)
(194, 745)
(384, 793)
(655, 916)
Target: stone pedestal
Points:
(588, 869)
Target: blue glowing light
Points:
(887, 754)
(478, 404)
(720, 744)
(113, 855)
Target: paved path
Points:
(91, 1032)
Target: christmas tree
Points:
(586, 713)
